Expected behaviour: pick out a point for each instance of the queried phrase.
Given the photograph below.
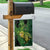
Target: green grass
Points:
(4, 1)
(45, 4)
(20, 0)
(24, 49)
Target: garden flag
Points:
(23, 32)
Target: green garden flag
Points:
(23, 32)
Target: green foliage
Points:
(21, 40)
(45, 4)
(20, 0)
(24, 33)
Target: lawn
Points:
(20, 0)
(4, 1)
(45, 4)
(24, 49)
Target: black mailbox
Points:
(21, 8)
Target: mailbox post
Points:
(10, 26)
(10, 18)
(15, 11)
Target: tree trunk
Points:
(41, 2)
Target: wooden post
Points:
(10, 26)
(10, 18)
(10, 34)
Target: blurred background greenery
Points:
(5, 1)
(20, 0)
